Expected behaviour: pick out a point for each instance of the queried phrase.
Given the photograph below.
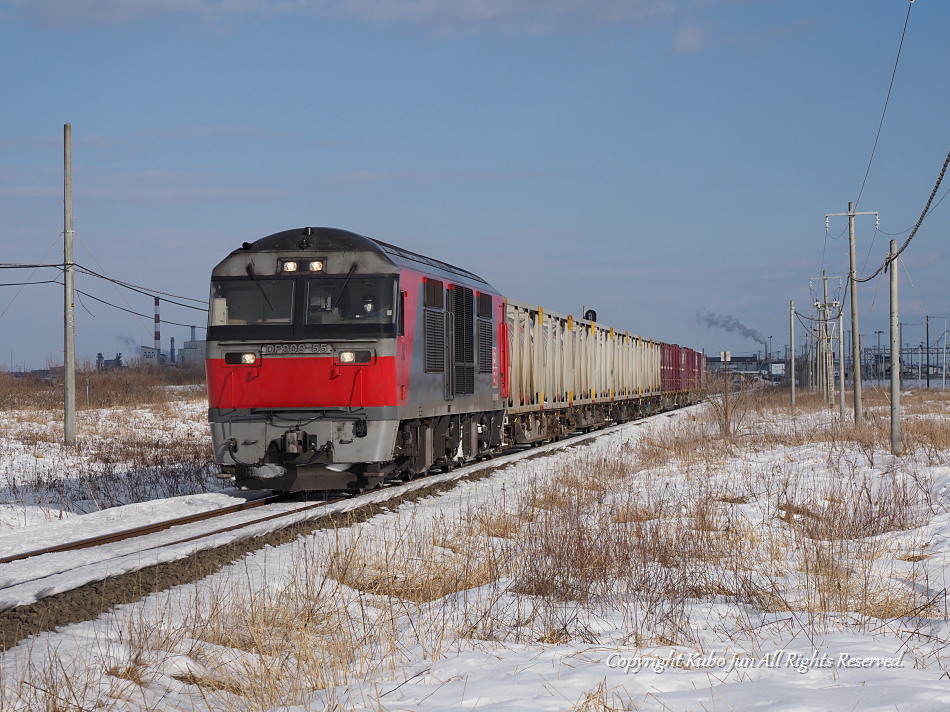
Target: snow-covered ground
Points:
(779, 572)
(122, 456)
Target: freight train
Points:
(336, 361)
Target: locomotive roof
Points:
(333, 239)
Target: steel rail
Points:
(145, 529)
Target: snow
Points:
(480, 647)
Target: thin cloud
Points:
(72, 13)
(443, 16)
(689, 39)
(163, 186)
(30, 191)
(17, 182)
(512, 16)
(364, 178)
(372, 178)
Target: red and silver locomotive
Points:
(336, 361)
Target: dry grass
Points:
(402, 570)
(652, 536)
(137, 449)
(132, 386)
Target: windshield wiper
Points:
(345, 282)
(250, 271)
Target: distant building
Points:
(108, 364)
(737, 364)
(192, 352)
(150, 355)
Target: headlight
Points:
(316, 266)
(354, 357)
(289, 266)
(235, 358)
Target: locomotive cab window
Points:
(252, 302)
(298, 306)
(359, 300)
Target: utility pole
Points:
(900, 345)
(826, 352)
(878, 360)
(69, 360)
(791, 340)
(855, 330)
(726, 356)
(841, 364)
(927, 336)
(829, 370)
(895, 359)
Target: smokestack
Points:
(171, 353)
(192, 333)
(158, 329)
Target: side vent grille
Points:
(435, 341)
(484, 345)
(464, 308)
(464, 379)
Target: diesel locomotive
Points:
(336, 361)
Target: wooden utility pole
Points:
(69, 349)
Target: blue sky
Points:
(653, 159)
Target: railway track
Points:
(53, 586)
(124, 534)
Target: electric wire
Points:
(144, 290)
(20, 265)
(887, 100)
(923, 214)
(130, 311)
(20, 284)
(824, 246)
(916, 294)
(43, 259)
(120, 294)
(932, 208)
(841, 304)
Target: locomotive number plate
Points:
(272, 349)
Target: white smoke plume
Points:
(730, 323)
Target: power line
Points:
(145, 290)
(932, 208)
(18, 265)
(21, 284)
(7, 307)
(890, 86)
(130, 311)
(824, 246)
(923, 214)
